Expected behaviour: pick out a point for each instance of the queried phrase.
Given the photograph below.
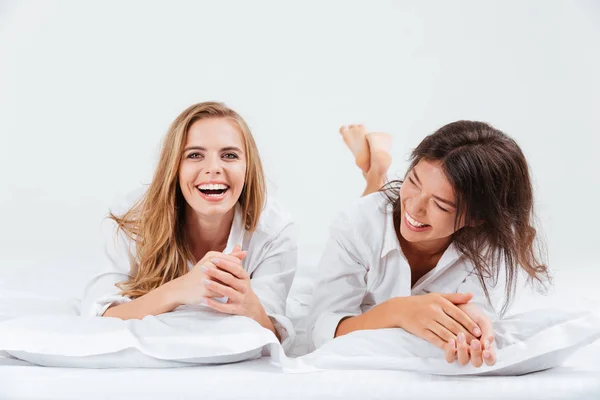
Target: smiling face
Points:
(428, 204)
(213, 167)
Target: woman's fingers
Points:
(476, 353)
(441, 331)
(462, 318)
(240, 255)
(489, 353)
(237, 252)
(450, 351)
(234, 268)
(453, 326)
(433, 338)
(218, 306)
(222, 290)
(224, 277)
(462, 350)
(487, 340)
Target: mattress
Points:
(579, 378)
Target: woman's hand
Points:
(479, 350)
(191, 288)
(227, 277)
(438, 318)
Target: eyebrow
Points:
(434, 196)
(230, 148)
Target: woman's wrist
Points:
(260, 316)
(170, 294)
(384, 315)
(391, 311)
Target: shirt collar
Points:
(390, 240)
(237, 232)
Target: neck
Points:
(426, 249)
(207, 233)
(429, 249)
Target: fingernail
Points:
(204, 268)
(486, 354)
(461, 337)
(486, 343)
(477, 332)
(204, 302)
(206, 282)
(215, 261)
(452, 343)
(475, 345)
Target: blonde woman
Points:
(202, 233)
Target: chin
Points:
(214, 209)
(408, 235)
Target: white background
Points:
(88, 89)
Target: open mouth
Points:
(213, 190)
(414, 223)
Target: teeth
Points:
(213, 186)
(413, 222)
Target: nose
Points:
(419, 205)
(213, 165)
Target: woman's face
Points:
(213, 166)
(428, 204)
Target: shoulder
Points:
(274, 219)
(360, 228)
(364, 214)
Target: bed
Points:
(578, 378)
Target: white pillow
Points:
(526, 342)
(19, 304)
(186, 336)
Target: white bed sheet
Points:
(579, 378)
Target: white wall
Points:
(87, 89)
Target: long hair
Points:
(491, 181)
(155, 223)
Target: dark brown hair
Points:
(491, 182)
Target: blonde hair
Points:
(155, 223)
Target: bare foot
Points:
(380, 146)
(355, 138)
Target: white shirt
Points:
(271, 263)
(363, 265)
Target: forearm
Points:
(381, 316)
(263, 319)
(158, 301)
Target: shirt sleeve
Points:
(496, 290)
(341, 284)
(272, 278)
(101, 292)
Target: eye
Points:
(441, 208)
(194, 155)
(230, 156)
